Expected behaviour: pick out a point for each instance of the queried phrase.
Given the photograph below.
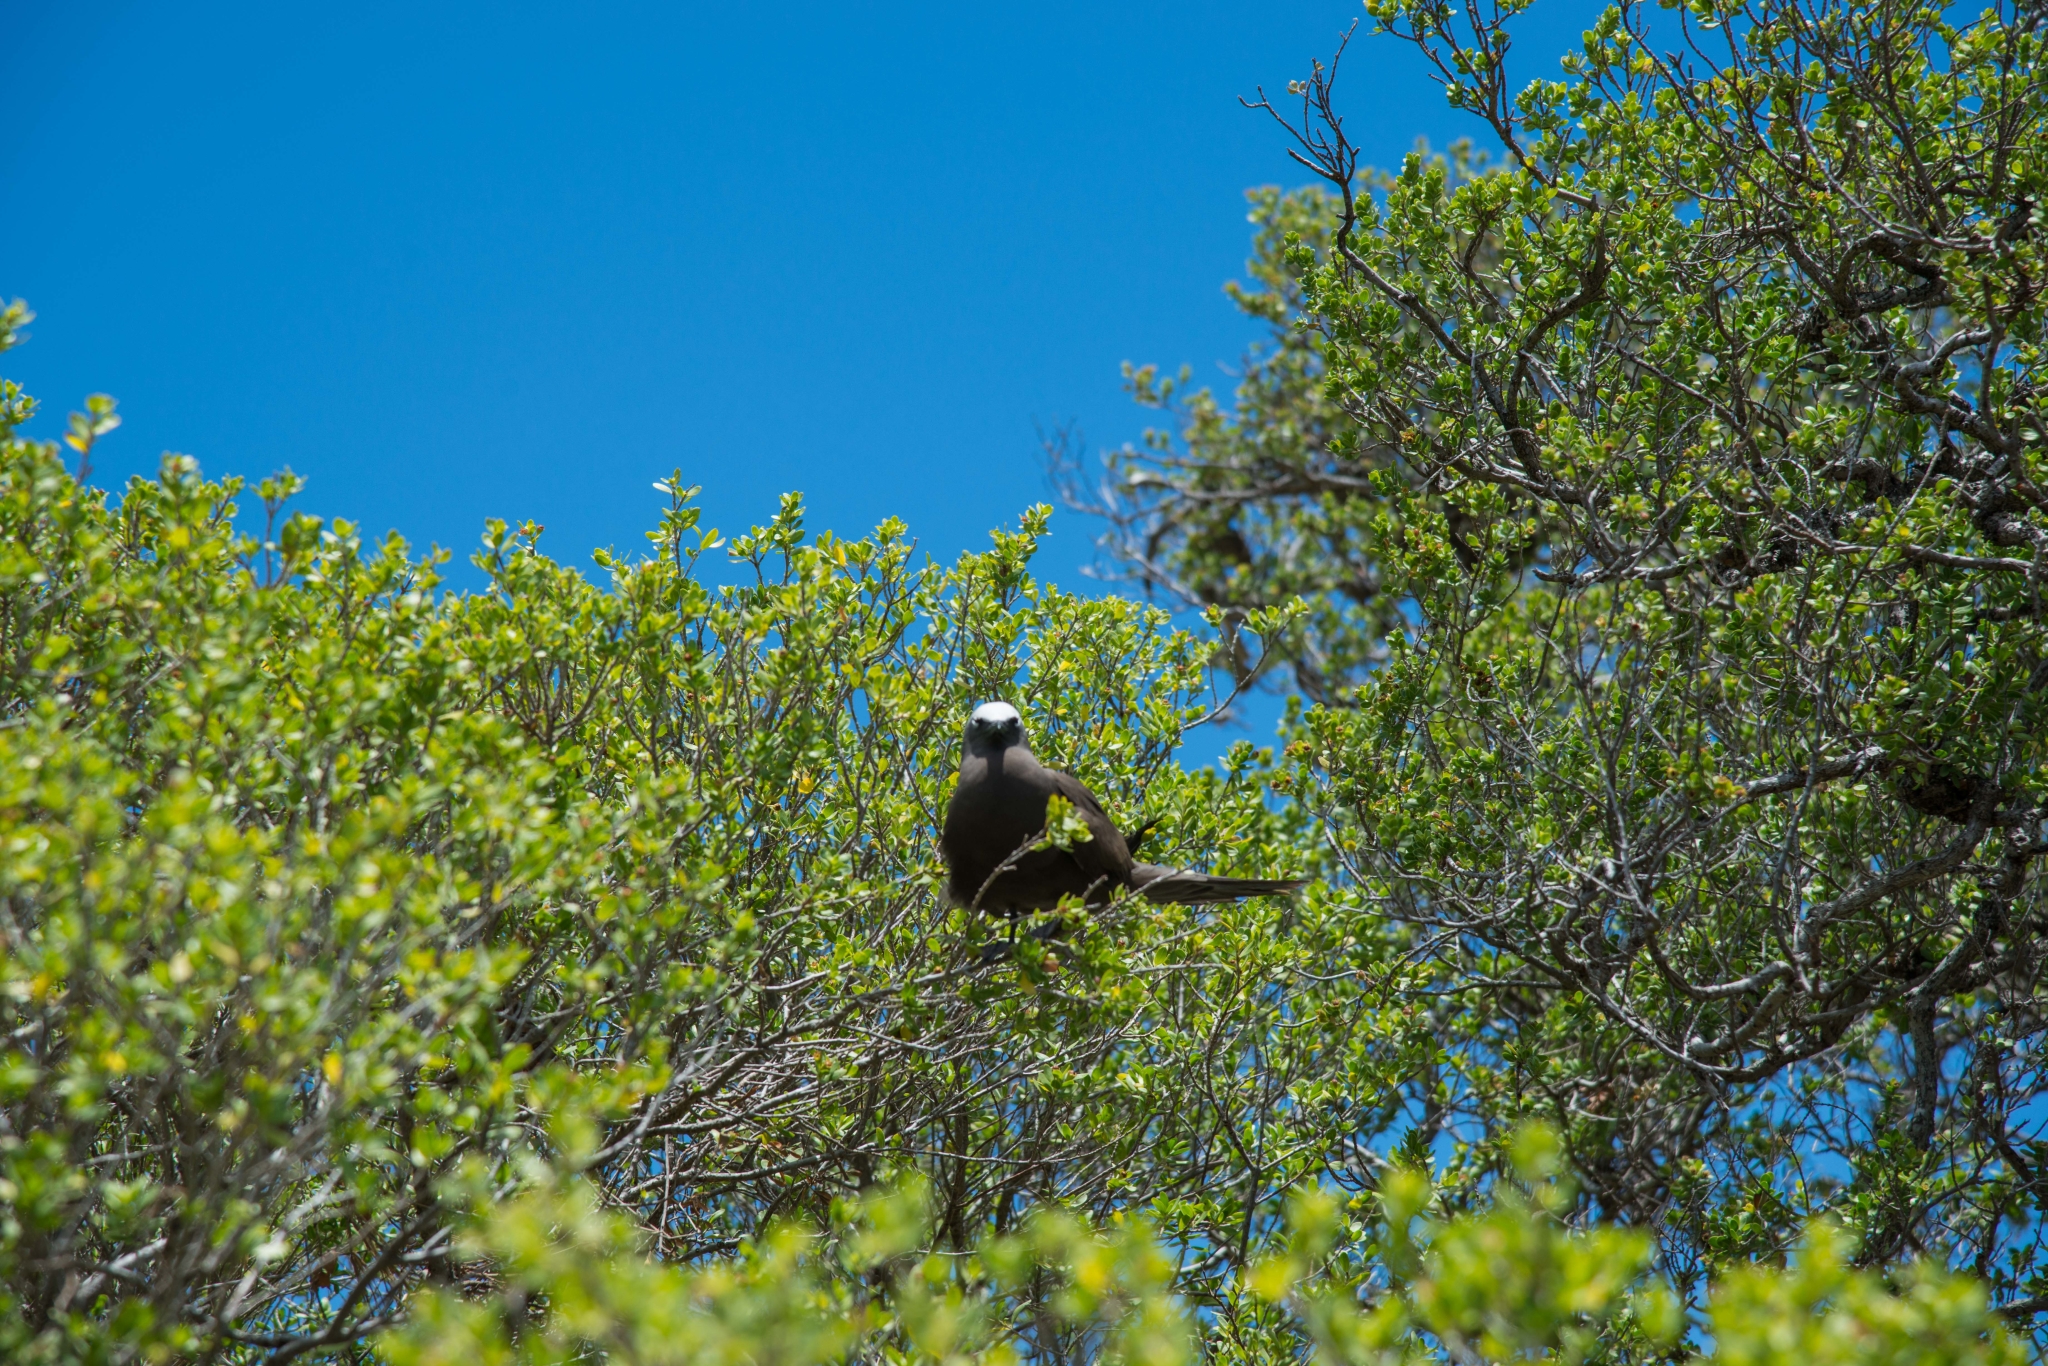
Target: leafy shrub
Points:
(1666, 492)
(323, 883)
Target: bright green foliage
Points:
(1675, 490)
(1820, 1312)
(1513, 1281)
(322, 884)
(1404, 1285)
(550, 972)
(571, 1280)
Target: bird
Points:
(998, 814)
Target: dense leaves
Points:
(1672, 491)
(323, 884)
(561, 971)
(1391, 1281)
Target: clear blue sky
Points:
(455, 261)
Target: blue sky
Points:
(455, 261)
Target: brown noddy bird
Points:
(998, 813)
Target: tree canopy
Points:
(561, 971)
(1665, 492)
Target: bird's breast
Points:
(996, 807)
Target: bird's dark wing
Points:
(1098, 822)
(1108, 857)
(1106, 853)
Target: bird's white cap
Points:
(996, 713)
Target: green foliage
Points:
(571, 1280)
(1820, 1312)
(323, 884)
(1669, 493)
(1404, 1285)
(558, 971)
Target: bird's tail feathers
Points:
(1179, 887)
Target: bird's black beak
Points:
(1000, 732)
